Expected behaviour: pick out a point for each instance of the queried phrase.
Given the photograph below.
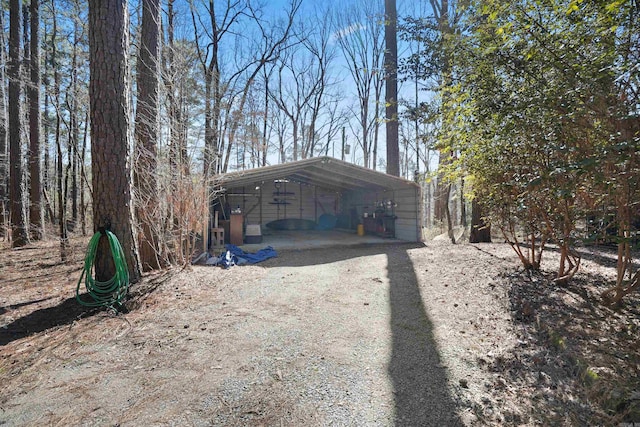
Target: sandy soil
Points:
(382, 335)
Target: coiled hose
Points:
(113, 291)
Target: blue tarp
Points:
(250, 258)
(236, 256)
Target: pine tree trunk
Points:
(147, 134)
(391, 87)
(18, 226)
(265, 123)
(49, 216)
(108, 93)
(83, 177)
(62, 226)
(74, 131)
(4, 214)
(35, 184)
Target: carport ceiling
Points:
(324, 172)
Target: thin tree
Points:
(300, 84)
(361, 40)
(268, 48)
(443, 19)
(4, 214)
(73, 97)
(110, 140)
(62, 200)
(47, 122)
(391, 87)
(35, 212)
(173, 78)
(228, 94)
(209, 56)
(146, 132)
(292, 93)
(18, 228)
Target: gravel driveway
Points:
(373, 335)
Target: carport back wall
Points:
(269, 201)
(319, 185)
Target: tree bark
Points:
(108, 94)
(83, 180)
(480, 229)
(18, 229)
(391, 87)
(4, 214)
(61, 206)
(74, 124)
(35, 190)
(147, 134)
(447, 212)
(441, 12)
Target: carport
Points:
(385, 207)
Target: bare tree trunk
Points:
(170, 82)
(4, 214)
(376, 125)
(108, 93)
(35, 212)
(147, 134)
(83, 155)
(626, 279)
(62, 225)
(74, 127)
(448, 216)
(49, 216)
(391, 87)
(463, 206)
(18, 226)
(480, 229)
(441, 11)
(265, 122)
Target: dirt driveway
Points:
(336, 336)
(373, 335)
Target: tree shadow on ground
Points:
(420, 382)
(602, 254)
(22, 304)
(585, 356)
(44, 319)
(69, 310)
(318, 256)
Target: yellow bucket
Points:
(360, 230)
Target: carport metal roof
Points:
(324, 172)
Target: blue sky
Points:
(308, 14)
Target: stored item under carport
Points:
(253, 234)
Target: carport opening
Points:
(319, 199)
(291, 214)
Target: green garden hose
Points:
(113, 291)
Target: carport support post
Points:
(206, 219)
(419, 207)
(261, 185)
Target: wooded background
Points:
(524, 115)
